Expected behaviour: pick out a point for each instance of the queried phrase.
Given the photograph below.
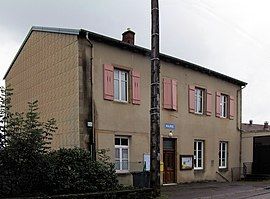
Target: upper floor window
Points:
(224, 105)
(199, 100)
(120, 85)
(223, 155)
(121, 153)
(199, 95)
(198, 154)
(116, 84)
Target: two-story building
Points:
(98, 90)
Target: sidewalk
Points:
(217, 190)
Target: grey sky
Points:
(228, 36)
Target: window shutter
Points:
(208, 103)
(174, 94)
(191, 99)
(136, 87)
(218, 107)
(232, 107)
(167, 93)
(108, 82)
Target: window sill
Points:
(223, 117)
(120, 101)
(223, 169)
(122, 172)
(200, 114)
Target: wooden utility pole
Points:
(155, 102)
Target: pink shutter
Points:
(208, 103)
(232, 107)
(136, 92)
(108, 82)
(167, 93)
(174, 94)
(191, 99)
(218, 107)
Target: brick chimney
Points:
(266, 126)
(128, 36)
(250, 122)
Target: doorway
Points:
(169, 160)
(261, 158)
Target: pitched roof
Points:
(254, 127)
(126, 46)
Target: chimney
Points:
(128, 36)
(250, 122)
(266, 126)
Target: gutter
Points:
(90, 117)
(239, 123)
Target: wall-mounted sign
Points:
(146, 161)
(169, 126)
(186, 162)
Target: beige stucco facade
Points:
(47, 70)
(126, 119)
(65, 73)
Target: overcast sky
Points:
(228, 36)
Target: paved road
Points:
(215, 190)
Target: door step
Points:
(170, 184)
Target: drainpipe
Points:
(239, 123)
(90, 116)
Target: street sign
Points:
(169, 126)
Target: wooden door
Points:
(169, 160)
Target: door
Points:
(261, 158)
(169, 160)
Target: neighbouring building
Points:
(256, 148)
(98, 90)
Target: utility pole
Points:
(155, 102)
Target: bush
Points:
(27, 167)
(73, 171)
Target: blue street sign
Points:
(169, 126)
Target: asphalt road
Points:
(215, 190)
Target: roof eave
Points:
(130, 47)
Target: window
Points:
(120, 85)
(199, 93)
(223, 155)
(224, 105)
(121, 153)
(198, 154)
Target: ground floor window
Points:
(121, 153)
(223, 155)
(198, 154)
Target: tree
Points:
(24, 141)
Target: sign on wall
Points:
(169, 126)
(186, 162)
(146, 161)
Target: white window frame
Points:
(196, 156)
(223, 166)
(197, 100)
(121, 147)
(119, 71)
(224, 103)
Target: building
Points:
(256, 148)
(98, 90)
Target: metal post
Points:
(155, 102)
